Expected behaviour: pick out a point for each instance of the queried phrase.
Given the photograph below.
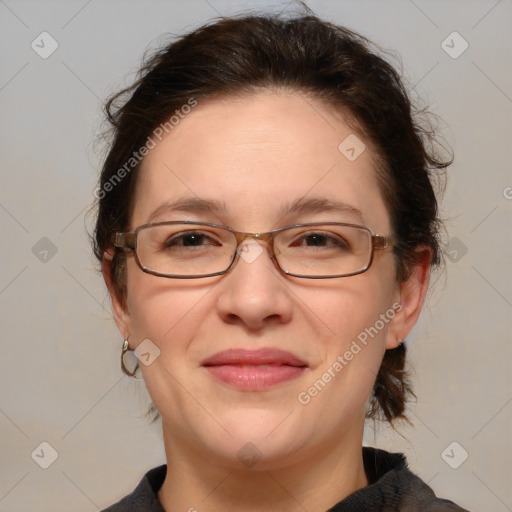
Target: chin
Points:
(246, 451)
(275, 433)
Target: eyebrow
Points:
(303, 205)
(188, 205)
(313, 205)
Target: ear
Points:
(411, 295)
(119, 308)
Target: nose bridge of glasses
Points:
(267, 238)
(243, 236)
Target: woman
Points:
(267, 226)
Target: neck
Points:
(195, 481)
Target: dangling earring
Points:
(126, 348)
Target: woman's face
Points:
(255, 157)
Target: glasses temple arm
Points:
(124, 240)
(382, 242)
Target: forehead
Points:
(254, 155)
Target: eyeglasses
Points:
(189, 250)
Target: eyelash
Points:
(338, 241)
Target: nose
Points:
(254, 293)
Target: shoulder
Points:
(412, 493)
(417, 495)
(144, 497)
(393, 487)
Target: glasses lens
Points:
(185, 249)
(323, 250)
(188, 250)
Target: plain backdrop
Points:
(60, 380)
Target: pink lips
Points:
(254, 370)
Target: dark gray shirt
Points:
(392, 488)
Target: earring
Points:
(126, 347)
(400, 343)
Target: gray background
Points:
(59, 367)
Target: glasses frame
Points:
(128, 242)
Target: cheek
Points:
(169, 313)
(178, 316)
(357, 319)
(158, 306)
(354, 305)
(168, 319)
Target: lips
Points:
(263, 356)
(254, 370)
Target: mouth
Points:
(254, 370)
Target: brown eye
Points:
(321, 239)
(191, 239)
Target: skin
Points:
(256, 154)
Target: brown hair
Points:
(238, 55)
